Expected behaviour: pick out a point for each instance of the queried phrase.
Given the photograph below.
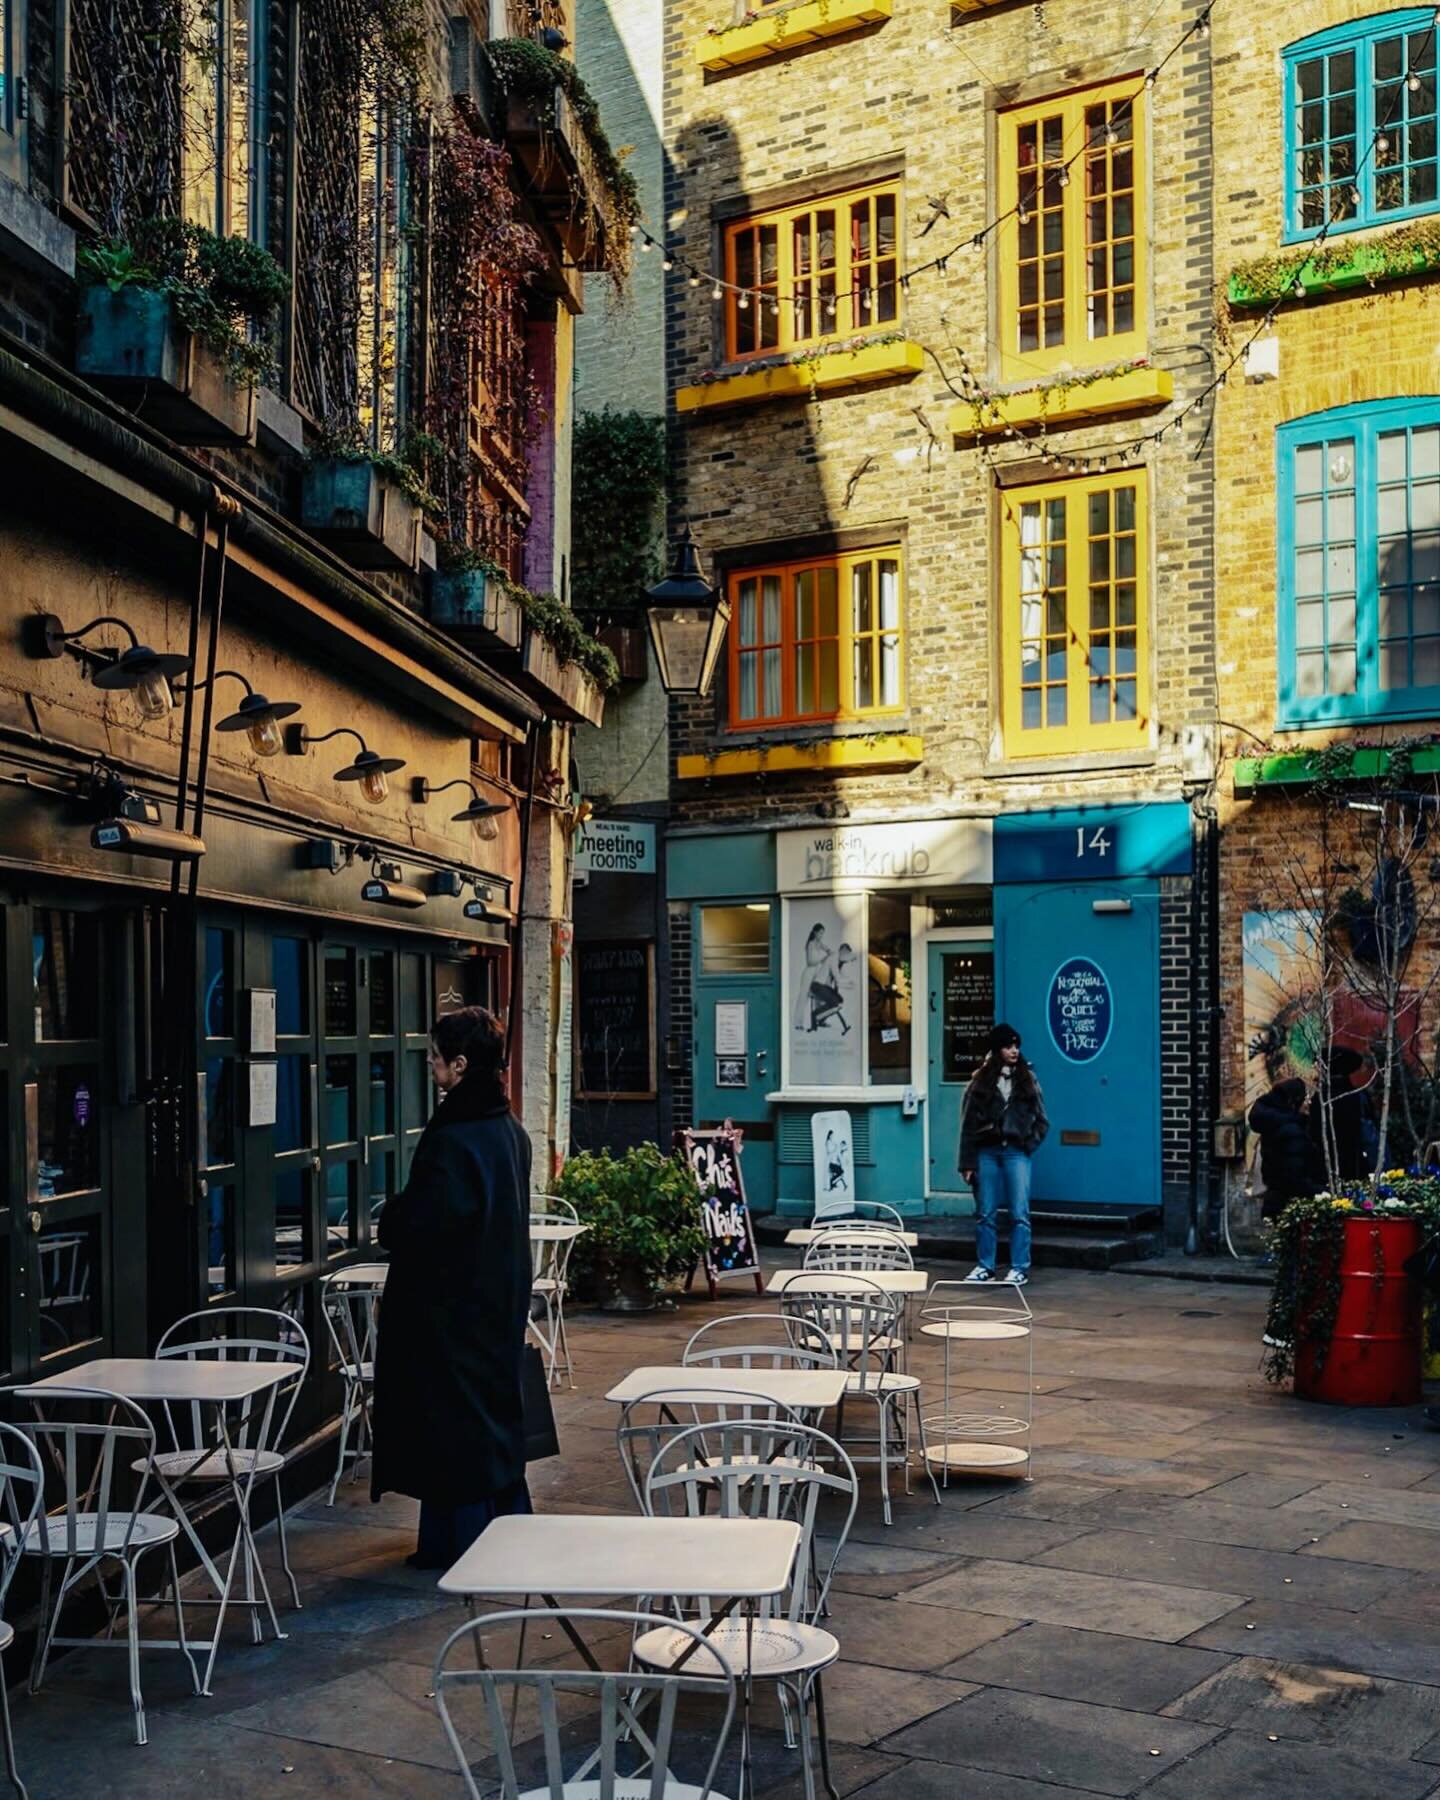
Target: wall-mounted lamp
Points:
(479, 907)
(480, 813)
(135, 830)
(388, 887)
(256, 716)
(369, 769)
(139, 670)
(687, 619)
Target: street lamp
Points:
(256, 716)
(369, 769)
(139, 670)
(687, 622)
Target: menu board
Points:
(967, 1002)
(615, 1020)
(714, 1155)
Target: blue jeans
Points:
(447, 1532)
(1004, 1171)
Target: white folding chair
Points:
(350, 1300)
(750, 1471)
(865, 1320)
(846, 1248)
(861, 1213)
(641, 1435)
(800, 1345)
(549, 1284)
(87, 1434)
(22, 1494)
(620, 1697)
(554, 1203)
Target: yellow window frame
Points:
(1089, 658)
(849, 639)
(1124, 103)
(803, 318)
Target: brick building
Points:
(947, 768)
(1327, 449)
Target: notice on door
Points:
(967, 1010)
(1080, 1009)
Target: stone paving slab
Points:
(1090, 1665)
(1404, 1649)
(1324, 1706)
(1242, 1765)
(1142, 1609)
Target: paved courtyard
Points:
(1208, 1590)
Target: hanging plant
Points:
(617, 485)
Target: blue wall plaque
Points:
(1080, 1010)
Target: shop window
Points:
(1073, 615)
(224, 139)
(1359, 577)
(69, 1129)
(1368, 82)
(219, 1111)
(849, 990)
(889, 989)
(66, 960)
(339, 1100)
(735, 940)
(812, 273)
(67, 1261)
(382, 994)
(817, 640)
(1072, 250)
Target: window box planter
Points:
(476, 607)
(563, 689)
(1297, 769)
(560, 168)
(825, 373)
(131, 345)
(786, 28)
(1364, 265)
(1129, 390)
(362, 513)
(893, 750)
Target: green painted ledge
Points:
(1297, 769)
(1367, 265)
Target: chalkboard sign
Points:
(714, 1155)
(615, 1020)
(967, 1001)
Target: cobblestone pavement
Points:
(1209, 1589)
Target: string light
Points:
(667, 263)
(1412, 81)
(717, 292)
(743, 302)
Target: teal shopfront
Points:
(858, 968)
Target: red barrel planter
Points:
(1374, 1356)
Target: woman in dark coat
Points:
(449, 1424)
(1002, 1125)
(1289, 1162)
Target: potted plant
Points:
(1344, 1314)
(643, 1215)
(473, 597)
(175, 321)
(368, 504)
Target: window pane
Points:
(69, 1135)
(382, 994)
(69, 1276)
(382, 1096)
(735, 940)
(339, 1100)
(220, 1239)
(219, 1111)
(290, 963)
(292, 1218)
(66, 959)
(292, 1104)
(339, 991)
(342, 1218)
(889, 969)
(219, 968)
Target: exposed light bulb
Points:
(743, 302)
(1064, 175)
(1412, 81)
(1151, 78)
(1023, 213)
(667, 263)
(1354, 196)
(1202, 29)
(646, 247)
(266, 738)
(153, 699)
(1112, 136)
(694, 281)
(717, 292)
(1382, 142)
(374, 787)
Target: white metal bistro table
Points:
(198, 1382)
(803, 1390)
(804, 1235)
(555, 1232)
(734, 1562)
(373, 1274)
(907, 1283)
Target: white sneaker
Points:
(980, 1273)
(1016, 1278)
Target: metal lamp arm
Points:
(219, 675)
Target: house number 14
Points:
(1099, 841)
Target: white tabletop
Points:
(374, 1273)
(798, 1388)
(853, 1234)
(555, 1233)
(583, 1556)
(173, 1377)
(852, 1281)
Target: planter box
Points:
(1128, 390)
(561, 177)
(1374, 1355)
(563, 689)
(824, 373)
(364, 515)
(1297, 769)
(476, 607)
(131, 345)
(895, 750)
(1365, 265)
(784, 28)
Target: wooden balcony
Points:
(824, 372)
(781, 28)
(562, 178)
(563, 689)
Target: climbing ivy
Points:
(617, 486)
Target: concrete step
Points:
(1053, 1248)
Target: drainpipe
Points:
(1204, 995)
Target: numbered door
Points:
(736, 1046)
(961, 1008)
(1079, 978)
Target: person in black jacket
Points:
(1002, 1125)
(1351, 1123)
(449, 1422)
(1289, 1164)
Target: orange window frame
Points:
(827, 269)
(780, 649)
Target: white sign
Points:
(854, 858)
(824, 939)
(615, 847)
(834, 1154)
(732, 1027)
(262, 1021)
(262, 1093)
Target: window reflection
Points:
(382, 1183)
(382, 994)
(219, 971)
(339, 992)
(340, 1100)
(67, 1263)
(220, 1239)
(342, 1221)
(292, 1217)
(290, 965)
(66, 950)
(69, 1137)
(382, 1095)
(219, 1111)
(292, 1112)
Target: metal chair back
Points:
(754, 1471)
(550, 1257)
(352, 1318)
(848, 1248)
(859, 1318)
(802, 1347)
(640, 1439)
(22, 1498)
(861, 1213)
(238, 1334)
(554, 1203)
(622, 1697)
(87, 1436)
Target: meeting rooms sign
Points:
(615, 847)
(908, 854)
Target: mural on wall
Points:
(1284, 1014)
(825, 938)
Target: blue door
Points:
(736, 975)
(960, 992)
(1079, 978)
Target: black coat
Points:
(988, 1122)
(449, 1425)
(1289, 1162)
(1350, 1114)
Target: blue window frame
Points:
(1359, 577)
(1342, 87)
